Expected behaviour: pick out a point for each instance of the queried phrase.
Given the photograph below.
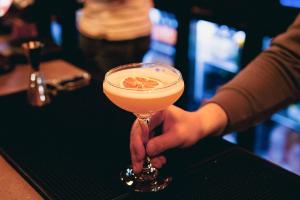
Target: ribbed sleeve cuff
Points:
(236, 107)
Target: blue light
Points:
(291, 3)
(56, 32)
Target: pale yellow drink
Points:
(142, 99)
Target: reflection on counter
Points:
(280, 145)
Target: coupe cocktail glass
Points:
(143, 89)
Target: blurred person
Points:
(20, 25)
(269, 83)
(64, 12)
(114, 32)
(33, 19)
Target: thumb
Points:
(162, 143)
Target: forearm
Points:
(267, 84)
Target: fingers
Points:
(137, 140)
(159, 161)
(156, 120)
(137, 148)
(161, 143)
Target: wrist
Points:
(213, 119)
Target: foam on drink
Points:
(159, 87)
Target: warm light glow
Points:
(43, 98)
(4, 6)
(32, 77)
(129, 183)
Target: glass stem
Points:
(144, 121)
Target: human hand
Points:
(180, 129)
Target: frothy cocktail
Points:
(144, 90)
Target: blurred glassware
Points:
(37, 93)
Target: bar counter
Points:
(13, 186)
(75, 147)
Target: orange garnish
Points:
(140, 83)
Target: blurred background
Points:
(208, 40)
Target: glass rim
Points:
(136, 65)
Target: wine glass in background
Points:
(143, 89)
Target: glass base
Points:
(147, 181)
